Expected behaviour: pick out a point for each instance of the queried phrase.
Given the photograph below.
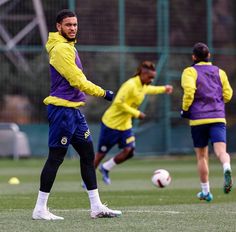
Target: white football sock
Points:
(205, 187)
(94, 199)
(42, 200)
(108, 165)
(226, 166)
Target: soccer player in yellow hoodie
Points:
(116, 126)
(67, 125)
(206, 90)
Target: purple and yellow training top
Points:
(68, 83)
(206, 90)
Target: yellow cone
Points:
(13, 180)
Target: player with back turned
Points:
(67, 125)
(206, 90)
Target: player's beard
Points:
(68, 38)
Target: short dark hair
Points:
(201, 51)
(148, 65)
(65, 13)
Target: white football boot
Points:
(44, 214)
(104, 212)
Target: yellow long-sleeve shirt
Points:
(125, 105)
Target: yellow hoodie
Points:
(68, 82)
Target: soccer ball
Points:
(161, 178)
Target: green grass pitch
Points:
(145, 207)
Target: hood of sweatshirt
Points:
(55, 38)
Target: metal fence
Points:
(113, 39)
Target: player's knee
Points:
(86, 152)
(56, 156)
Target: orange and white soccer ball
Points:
(161, 178)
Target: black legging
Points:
(49, 172)
(56, 158)
(88, 173)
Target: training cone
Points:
(13, 180)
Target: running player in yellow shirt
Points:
(206, 89)
(116, 126)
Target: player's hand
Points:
(142, 115)
(169, 89)
(184, 114)
(108, 95)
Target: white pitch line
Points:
(138, 211)
(127, 211)
(152, 211)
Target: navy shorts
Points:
(66, 126)
(109, 137)
(202, 134)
